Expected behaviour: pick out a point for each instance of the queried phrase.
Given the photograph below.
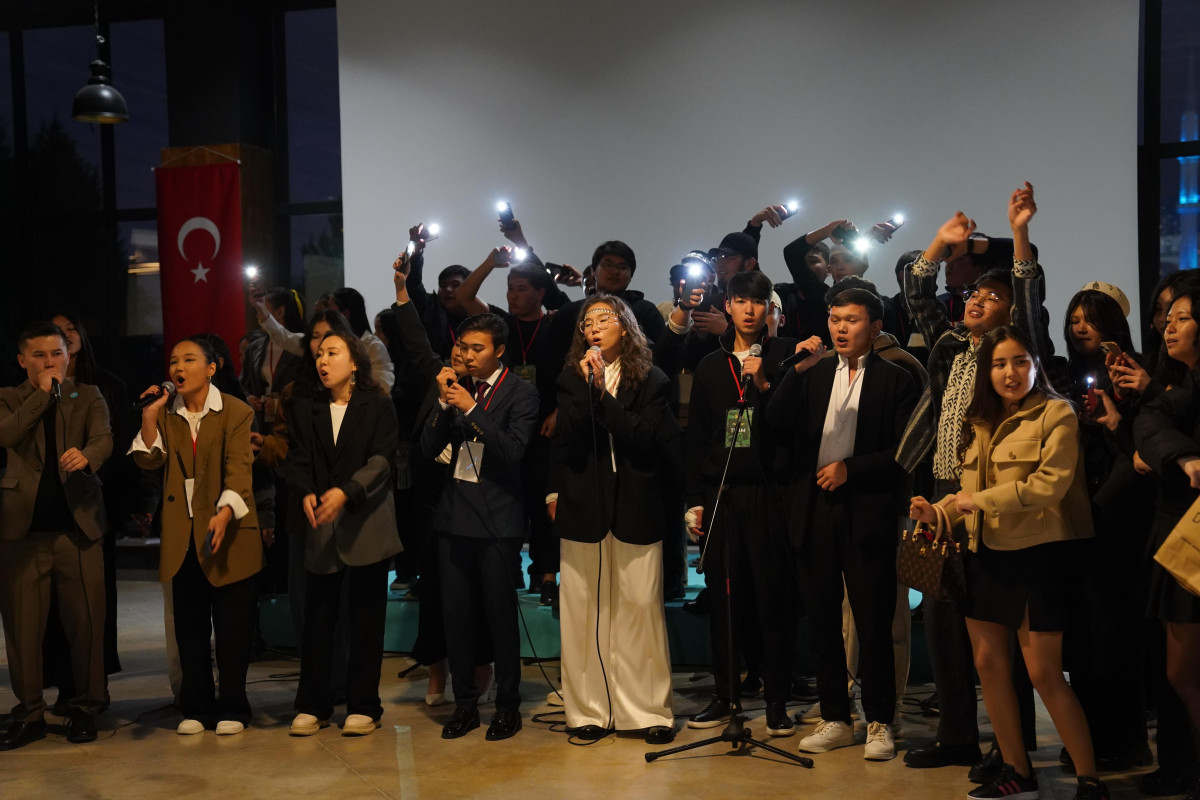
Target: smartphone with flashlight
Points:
(506, 213)
(553, 270)
(693, 279)
(843, 234)
(1091, 400)
(252, 273)
(789, 209)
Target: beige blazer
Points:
(222, 461)
(85, 415)
(1027, 479)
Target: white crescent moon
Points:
(203, 224)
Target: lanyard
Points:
(741, 392)
(525, 348)
(453, 338)
(492, 391)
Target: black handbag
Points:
(930, 561)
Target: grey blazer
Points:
(360, 464)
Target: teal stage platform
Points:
(687, 633)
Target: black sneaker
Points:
(1091, 789)
(751, 685)
(714, 714)
(549, 594)
(779, 722)
(1008, 784)
(988, 767)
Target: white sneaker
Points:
(812, 715)
(880, 745)
(436, 699)
(229, 727)
(190, 727)
(358, 725)
(829, 735)
(306, 725)
(555, 699)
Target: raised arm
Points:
(468, 293)
(920, 277)
(1029, 282)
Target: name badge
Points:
(743, 431)
(469, 462)
(189, 486)
(527, 373)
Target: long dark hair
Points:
(364, 382)
(293, 307)
(1169, 371)
(307, 381)
(636, 357)
(986, 408)
(225, 379)
(86, 368)
(1104, 315)
(354, 308)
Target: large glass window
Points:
(139, 73)
(313, 121)
(316, 259)
(7, 188)
(56, 67)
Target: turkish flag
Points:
(200, 252)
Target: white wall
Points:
(668, 124)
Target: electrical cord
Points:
(599, 547)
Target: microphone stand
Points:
(736, 734)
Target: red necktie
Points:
(481, 388)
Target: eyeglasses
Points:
(598, 323)
(983, 298)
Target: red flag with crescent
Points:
(200, 252)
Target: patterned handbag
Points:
(930, 561)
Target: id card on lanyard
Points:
(738, 435)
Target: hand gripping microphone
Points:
(591, 371)
(142, 402)
(795, 358)
(755, 352)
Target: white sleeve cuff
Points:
(923, 268)
(139, 446)
(235, 502)
(552, 498)
(680, 329)
(1024, 269)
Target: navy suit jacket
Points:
(494, 506)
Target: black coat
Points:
(639, 421)
(876, 491)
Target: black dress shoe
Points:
(779, 722)
(751, 686)
(699, 605)
(463, 721)
(714, 714)
(549, 594)
(660, 734)
(943, 755)
(589, 733)
(81, 728)
(19, 734)
(505, 724)
(988, 768)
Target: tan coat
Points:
(223, 457)
(1027, 479)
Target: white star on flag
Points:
(201, 273)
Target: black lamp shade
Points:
(99, 101)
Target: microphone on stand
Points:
(755, 352)
(55, 389)
(142, 402)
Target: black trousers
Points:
(232, 612)
(543, 544)
(478, 601)
(367, 587)
(760, 588)
(827, 557)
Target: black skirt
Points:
(1167, 600)
(1002, 584)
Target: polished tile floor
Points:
(140, 756)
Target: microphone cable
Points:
(600, 548)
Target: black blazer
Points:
(630, 500)
(492, 507)
(876, 491)
(360, 465)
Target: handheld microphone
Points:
(142, 402)
(591, 371)
(755, 352)
(795, 358)
(55, 389)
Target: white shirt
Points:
(841, 418)
(337, 413)
(491, 382)
(211, 403)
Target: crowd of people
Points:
(791, 429)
